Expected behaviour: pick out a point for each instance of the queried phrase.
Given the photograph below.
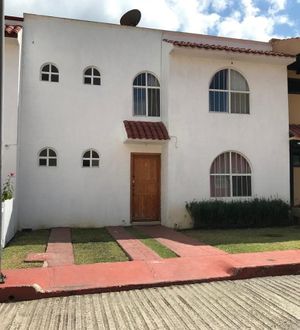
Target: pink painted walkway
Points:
(59, 249)
(182, 245)
(205, 265)
(134, 248)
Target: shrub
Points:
(8, 189)
(258, 212)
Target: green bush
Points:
(258, 212)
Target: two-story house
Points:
(121, 124)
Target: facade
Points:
(292, 46)
(122, 124)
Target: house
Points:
(292, 46)
(120, 124)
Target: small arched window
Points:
(47, 157)
(90, 158)
(91, 76)
(146, 95)
(230, 176)
(229, 92)
(49, 72)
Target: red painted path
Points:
(204, 264)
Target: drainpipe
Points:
(2, 277)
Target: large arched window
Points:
(91, 76)
(230, 176)
(229, 92)
(90, 158)
(47, 157)
(49, 72)
(146, 95)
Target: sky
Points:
(247, 19)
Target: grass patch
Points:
(23, 243)
(92, 245)
(250, 240)
(152, 243)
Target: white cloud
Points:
(246, 19)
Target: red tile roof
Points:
(295, 130)
(226, 48)
(11, 31)
(146, 130)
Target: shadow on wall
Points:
(9, 222)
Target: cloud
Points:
(244, 19)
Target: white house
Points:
(121, 124)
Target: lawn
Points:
(23, 243)
(152, 243)
(250, 240)
(92, 245)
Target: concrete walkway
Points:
(59, 250)
(265, 303)
(133, 247)
(197, 263)
(182, 245)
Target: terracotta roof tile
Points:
(11, 31)
(146, 130)
(226, 48)
(295, 130)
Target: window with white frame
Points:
(229, 92)
(91, 76)
(146, 95)
(90, 158)
(47, 157)
(230, 176)
(49, 72)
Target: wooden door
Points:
(145, 187)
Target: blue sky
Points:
(250, 19)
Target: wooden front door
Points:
(145, 187)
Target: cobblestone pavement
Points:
(262, 303)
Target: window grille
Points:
(47, 157)
(146, 95)
(91, 76)
(49, 72)
(230, 176)
(229, 92)
(90, 158)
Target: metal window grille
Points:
(47, 157)
(229, 92)
(49, 72)
(92, 76)
(230, 176)
(146, 95)
(90, 158)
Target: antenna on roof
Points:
(131, 18)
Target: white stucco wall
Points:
(72, 117)
(261, 136)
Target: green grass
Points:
(22, 244)
(92, 245)
(152, 243)
(250, 240)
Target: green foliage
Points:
(258, 212)
(8, 189)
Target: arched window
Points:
(90, 158)
(146, 95)
(229, 92)
(49, 72)
(91, 76)
(230, 176)
(47, 157)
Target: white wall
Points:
(261, 136)
(72, 117)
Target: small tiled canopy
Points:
(146, 130)
(295, 131)
(11, 31)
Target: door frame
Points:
(132, 155)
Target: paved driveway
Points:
(265, 303)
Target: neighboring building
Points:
(292, 46)
(122, 124)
